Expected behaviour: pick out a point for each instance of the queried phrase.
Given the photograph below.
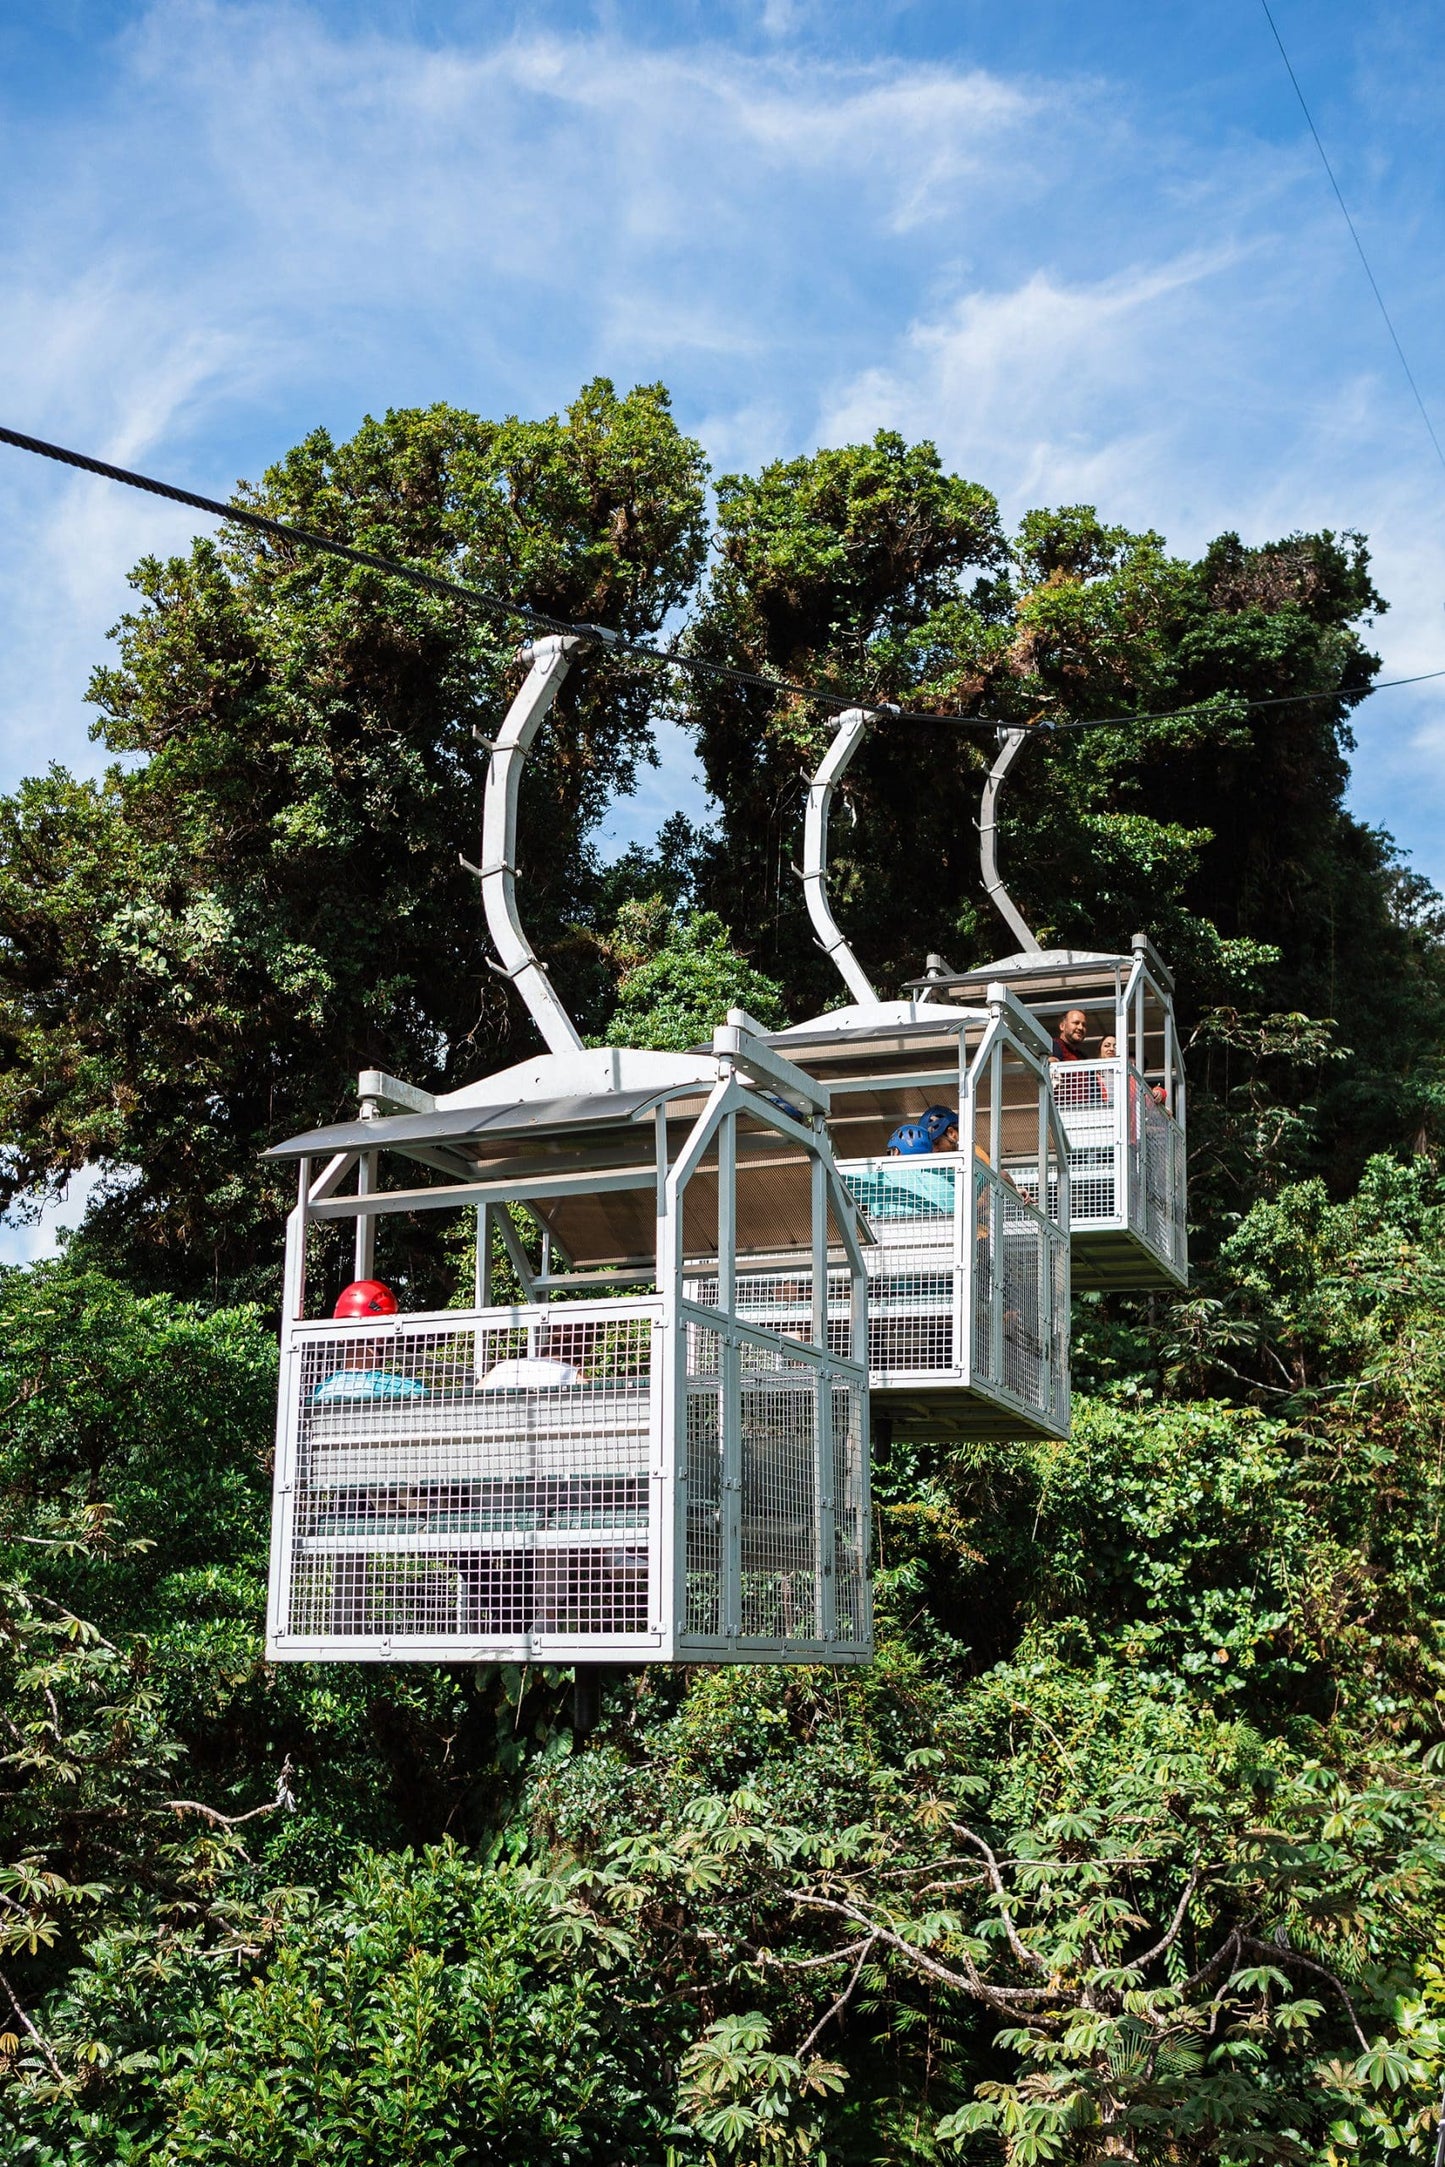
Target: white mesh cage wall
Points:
(1089, 1095)
(470, 1484)
(1020, 1322)
(775, 1512)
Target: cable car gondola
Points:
(968, 1294)
(1119, 1086)
(627, 1465)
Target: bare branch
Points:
(1167, 1940)
(812, 1963)
(1020, 1948)
(44, 2044)
(967, 1981)
(285, 1796)
(1226, 1951)
(221, 1820)
(842, 2000)
(1281, 1952)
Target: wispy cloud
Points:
(269, 216)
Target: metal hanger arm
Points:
(851, 727)
(994, 888)
(551, 658)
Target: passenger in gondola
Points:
(1072, 1036)
(1108, 1051)
(361, 1375)
(916, 1191)
(940, 1126)
(1071, 1044)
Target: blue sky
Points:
(1089, 250)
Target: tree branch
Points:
(1020, 1948)
(285, 1796)
(41, 2042)
(1167, 1940)
(967, 1981)
(842, 2000)
(1282, 1951)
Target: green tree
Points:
(437, 2009)
(263, 894)
(1222, 833)
(679, 977)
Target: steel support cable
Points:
(457, 590)
(1354, 236)
(617, 643)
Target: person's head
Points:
(366, 1298)
(910, 1140)
(1108, 1048)
(940, 1126)
(1074, 1029)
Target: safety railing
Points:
(1126, 1157)
(967, 1288)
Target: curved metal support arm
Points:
(851, 727)
(551, 659)
(994, 888)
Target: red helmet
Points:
(365, 1298)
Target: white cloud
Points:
(1181, 395)
(273, 220)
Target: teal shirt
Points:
(369, 1384)
(907, 1189)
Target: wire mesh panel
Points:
(1159, 1183)
(913, 1207)
(911, 1299)
(782, 1302)
(1126, 1160)
(1088, 1096)
(1023, 1298)
(775, 1516)
(853, 1621)
(703, 1528)
(780, 1555)
(1019, 1299)
(468, 1482)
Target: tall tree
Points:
(263, 894)
(1222, 830)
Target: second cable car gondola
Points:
(1118, 1079)
(1119, 1088)
(968, 1273)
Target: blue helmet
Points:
(910, 1140)
(936, 1123)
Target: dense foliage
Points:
(1130, 1845)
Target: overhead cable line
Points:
(475, 597)
(1354, 235)
(1177, 714)
(496, 605)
